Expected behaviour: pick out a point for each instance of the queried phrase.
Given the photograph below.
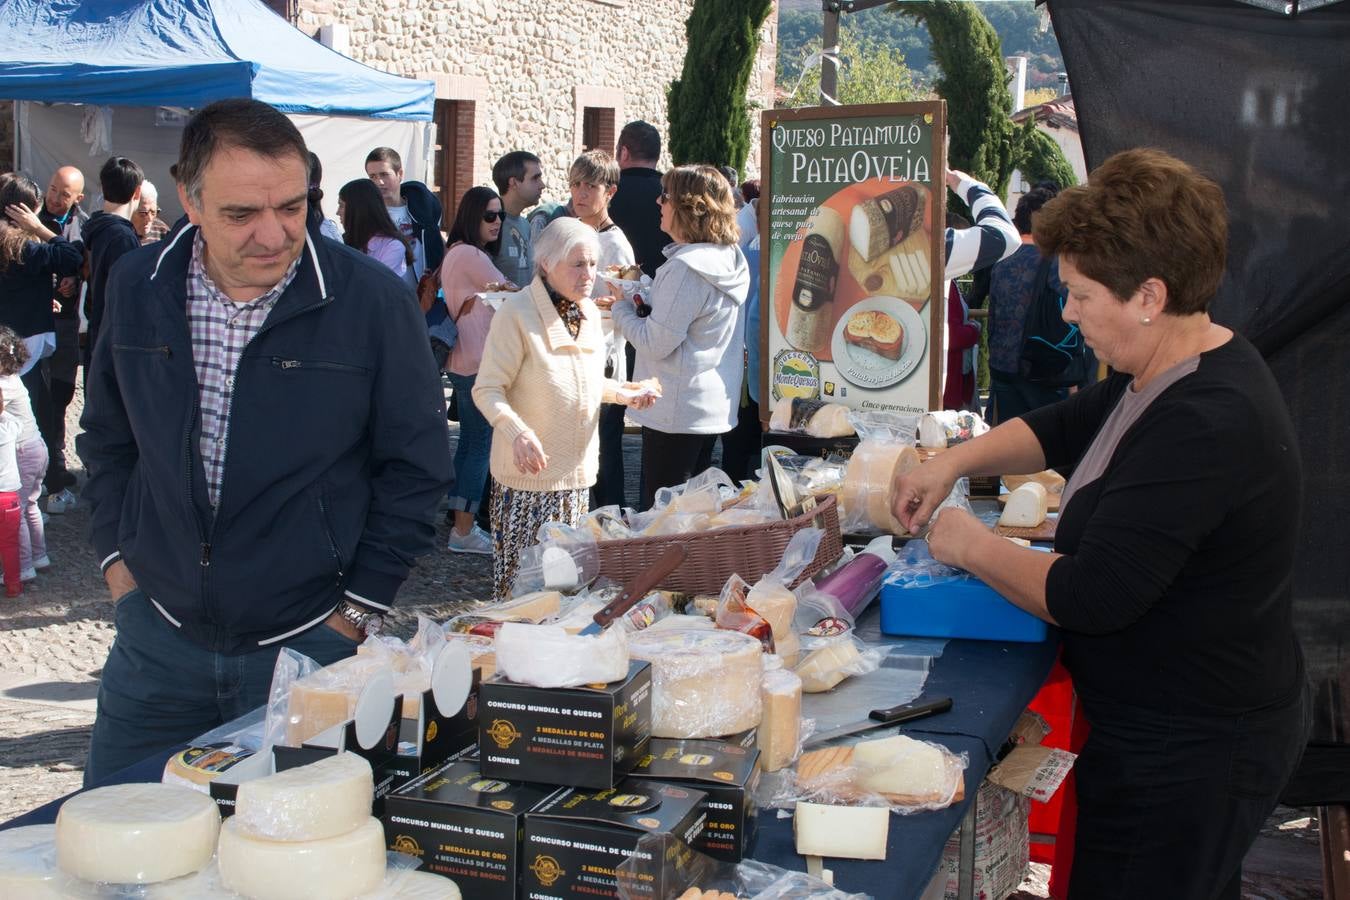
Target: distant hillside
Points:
(1017, 24)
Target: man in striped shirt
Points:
(265, 433)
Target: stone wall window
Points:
(597, 128)
(452, 165)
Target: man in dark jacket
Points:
(266, 440)
(62, 213)
(108, 236)
(634, 207)
(413, 207)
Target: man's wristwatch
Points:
(366, 621)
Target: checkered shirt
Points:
(221, 329)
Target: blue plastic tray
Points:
(961, 608)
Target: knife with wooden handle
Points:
(666, 563)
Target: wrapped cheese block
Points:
(136, 833)
(814, 417)
(824, 668)
(847, 832)
(869, 484)
(778, 605)
(308, 803)
(335, 868)
(28, 867)
(704, 683)
(548, 656)
(878, 224)
(1027, 506)
(327, 697)
(902, 766)
(779, 733)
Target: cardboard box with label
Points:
(464, 826)
(576, 839)
(727, 773)
(589, 736)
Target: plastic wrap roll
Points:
(704, 683)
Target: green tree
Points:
(869, 73)
(709, 117)
(1039, 158)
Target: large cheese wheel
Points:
(335, 868)
(869, 483)
(28, 864)
(308, 803)
(547, 656)
(136, 833)
(704, 683)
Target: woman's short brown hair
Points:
(1143, 214)
(701, 202)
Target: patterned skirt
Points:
(516, 517)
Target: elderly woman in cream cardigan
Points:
(540, 386)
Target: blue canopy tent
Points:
(100, 77)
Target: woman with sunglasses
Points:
(692, 338)
(475, 237)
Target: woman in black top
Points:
(1171, 575)
(30, 255)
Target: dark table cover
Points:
(990, 684)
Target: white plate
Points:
(627, 285)
(866, 369)
(494, 299)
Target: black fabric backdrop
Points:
(1261, 103)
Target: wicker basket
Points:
(714, 556)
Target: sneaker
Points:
(27, 574)
(476, 541)
(64, 502)
(42, 562)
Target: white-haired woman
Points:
(540, 386)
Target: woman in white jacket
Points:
(689, 332)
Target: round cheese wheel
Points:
(704, 683)
(28, 863)
(870, 480)
(136, 833)
(547, 656)
(308, 803)
(335, 868)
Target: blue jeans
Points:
(159, 689)
(471, 453)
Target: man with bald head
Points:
(62, 213)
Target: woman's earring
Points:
(1145, 321)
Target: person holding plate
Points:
(540, 386)
(466, 271)
(692, 339)
(1172, 569)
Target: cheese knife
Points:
(666, 563)
(880, 718)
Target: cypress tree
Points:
(1039, 158)
(709, 118)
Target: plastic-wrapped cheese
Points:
(308, 803)
(412, 884)
(28, 867)
(1027, 506)
(901, 765)
(547, 656)
(778, 605)
(848, 832)
(870, 480)
(335, 868)
(136, 833)
(204, 885)
(780, 727)
(327, 697)
(822, 669)
(704, 683)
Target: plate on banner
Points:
(866, 366)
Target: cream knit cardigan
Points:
(535, 377)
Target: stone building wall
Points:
(533, 75)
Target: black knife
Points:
(880, 718)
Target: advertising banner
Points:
(851, 218)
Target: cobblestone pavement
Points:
(54, 638)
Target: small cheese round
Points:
(136, 833)
(335, 868)
(28, 864)
(308, 803)
(704, 683)
(547, 656)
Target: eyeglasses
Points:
(491, 216)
